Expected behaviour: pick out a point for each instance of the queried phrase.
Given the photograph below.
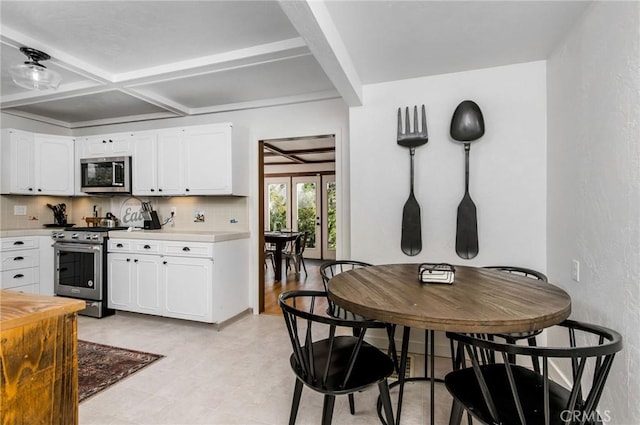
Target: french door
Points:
(307, 207)
(304, 204)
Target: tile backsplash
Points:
(205, 213)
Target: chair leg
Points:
(304, 266)
(327, 409)
(386, 401)
(352, 404)
(456, 413)
(297, 392)
(534, 359)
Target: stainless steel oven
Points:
(80, 268)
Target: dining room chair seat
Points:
(328, 361)
(495, 389)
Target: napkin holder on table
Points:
(436, 273)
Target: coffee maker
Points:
(151, 220)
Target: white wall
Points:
(12, 121)
(507, 170)
(594, 184)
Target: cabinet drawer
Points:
(20, 277)
(120, 245)
(13, 260)
(13, 244)
(189, 249)
(146, 247)
(27, 289)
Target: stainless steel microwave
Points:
(106, 175)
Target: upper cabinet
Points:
(106, 145)
(199, 160)
(36, 164)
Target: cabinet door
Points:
(145, 165)
(54, 165)
(22, 163)
(107, 145)
(148, 292)
(207, 159)
(120, 285)
(188, 288)
(170, 163)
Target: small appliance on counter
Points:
(151, 220)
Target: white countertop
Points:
(179, 235)
(168, 235)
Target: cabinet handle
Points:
(18, 259)
(104, 141)
(147, 247)
(186, 190)
(186, 249)
(164, 262)
(153, 190)
(18, 243)
(39, 190)
(128, 259)
(135, 261)
(30, 189)
(119, 245)
(110, 141)
(159, 190)
(18, 276)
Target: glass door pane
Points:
(306, 204)
(329, 229)
(277, 205)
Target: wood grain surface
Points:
(480, 300)
(38, 359)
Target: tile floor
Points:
(239, 375)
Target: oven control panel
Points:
(78, 237)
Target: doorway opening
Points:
(297, 193)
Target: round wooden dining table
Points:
(478, 301)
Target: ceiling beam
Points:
(314, 24)
(283, 154)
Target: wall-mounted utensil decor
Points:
(411, 240)
(467, 125)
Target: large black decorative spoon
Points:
(467, 125)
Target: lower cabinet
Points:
(20, 264)
(135, 283)
(206, 282)
(188, 288)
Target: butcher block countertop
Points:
(179, 235)
(19, 309)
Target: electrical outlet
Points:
(575, 270)
(174, 211)
(19, 210)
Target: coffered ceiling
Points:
(125, 61)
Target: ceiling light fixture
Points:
(32, 75)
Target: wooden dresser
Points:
(38, 359)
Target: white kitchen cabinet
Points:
(199, 160)
(120, 144)
(134, 274)
(37, 164)
(20, 264)
(188, 288)
(46, 265)
(206, 282)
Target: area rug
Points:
(100, 366)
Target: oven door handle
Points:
(77, 247)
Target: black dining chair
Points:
(497, 390)
(293, 253)
(325, 360)
(330, 269)
(530, 336)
